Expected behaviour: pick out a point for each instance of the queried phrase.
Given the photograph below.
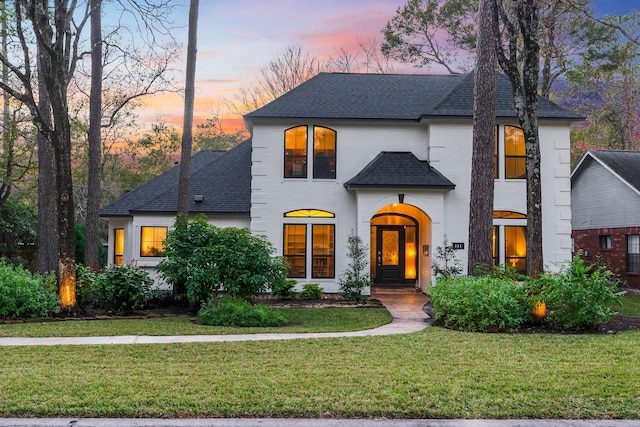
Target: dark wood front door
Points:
(390, 260)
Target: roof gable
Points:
(399, 170)
(625, 165)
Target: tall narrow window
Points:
(323, 252)
(295, 249)
(118, 246)
(515, 247)
(295, 152)
(515, 156)
(324, 153)
(495, 247)
(633, 253)
(152, 240)
(496, 153)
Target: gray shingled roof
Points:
(223, 178)
(399, 170)
(393, 97)
(625, 164)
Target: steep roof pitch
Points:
(393, 97)
(625, 165)
(222, 178)
(399, 170)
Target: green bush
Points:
(311, 291)
(85, 282)
(202, 259)
(26, 295)
(580, 296)
(356, 277)
(479, 303)
(122, 289)
(239, 312)
(284, 289)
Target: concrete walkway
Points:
(406, 311)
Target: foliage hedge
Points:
(479, 303)
(122, 289)
(26, 295)
(239, 312)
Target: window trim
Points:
(506, 156)
(118, 241)
(285, 253)
(331, 258)
(335, 154)
(156, 227)
(304, 163)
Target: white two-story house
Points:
(385, 157)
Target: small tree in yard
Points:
(355, 278)
(202, 259)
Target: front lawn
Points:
(436, 373)
(630, 305)
(304, 320)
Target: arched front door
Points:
(393, 243)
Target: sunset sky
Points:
(238, 38)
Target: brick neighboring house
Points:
(605, 202)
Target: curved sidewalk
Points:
(406, 311)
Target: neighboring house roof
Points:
(222, 178)
(394, 97)
(625, 165)
(397, 170)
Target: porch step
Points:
(402, 290)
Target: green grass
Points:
(304, 320)
(630, 305)
(436, 373)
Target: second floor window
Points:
(515, 156)
(324, 153)
(295, 152)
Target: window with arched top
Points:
(309, 213)
(324, 153)
(295, 152)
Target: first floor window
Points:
(118, 246)
(633, 253)
(515, 247)
(323, 251)
(605, 242)
(295, 249)
(152, 240)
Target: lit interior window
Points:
(152, 240)
(323, 251)
(324, 153)
(309, 213)
(295, 152)
(295, 249)
(118, 246)
(515, 156)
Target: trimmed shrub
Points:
(202, 259)
(25, 295)
(356, 277)
(121, 289)
(284, 289)
(479, 304)
(311, 291)
(239, 312)
(85, 282)
(580, 296)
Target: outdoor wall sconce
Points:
(425, 250)
(400, 198)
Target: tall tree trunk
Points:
(521, 64)
(47, 180)
(484, 119)
(94, 191)
(8, 128)
(187, 130)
